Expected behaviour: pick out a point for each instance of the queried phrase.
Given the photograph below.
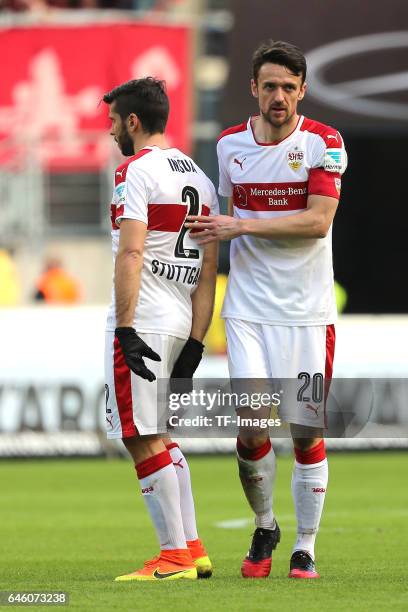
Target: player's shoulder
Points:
(331, 137)
(131, 163)
(182, 164)
(235, 129)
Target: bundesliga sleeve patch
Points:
(335, 160)
(120, 192)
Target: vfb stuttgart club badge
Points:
(295, 158)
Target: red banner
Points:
(53, 79)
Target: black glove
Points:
(133, 349)
(185, 366)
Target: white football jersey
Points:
(160, 187)
(280, 282)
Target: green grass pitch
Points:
(75, 525)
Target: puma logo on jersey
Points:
(331, 136)
(178, 463)
(240, 163)
(120, 172)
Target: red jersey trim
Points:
(121, 171)
(324, 183)
(274, 142)
(329, 134)
(233, 130)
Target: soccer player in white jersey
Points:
(282, 174)
(161, 308)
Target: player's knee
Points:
(305, 444)
(143, 447)
(252, 439)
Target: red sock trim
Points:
(314, 455)
(253, 454)
(172, 445)
(153, 464)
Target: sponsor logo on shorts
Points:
(337, 182)
(147, 490)
(109, 415)
(314, 409)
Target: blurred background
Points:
(56, 164)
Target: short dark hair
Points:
(147, 98)
(282, 53)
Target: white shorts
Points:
(131, 401)
(304, 354)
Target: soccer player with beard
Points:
(281, 172)
(162, 303)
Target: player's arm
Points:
(230, 207)
(202, 309)
(313, 222)
(203, 297)
(128, 270)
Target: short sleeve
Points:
(133, 196)
(225, 187)
(329, 163)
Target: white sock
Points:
(160, 489)
(309, 483)
(186, 493)
(257, 474)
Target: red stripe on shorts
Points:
(328, 368)
(123, 392)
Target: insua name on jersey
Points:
(181, 165)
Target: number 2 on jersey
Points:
(191, 197)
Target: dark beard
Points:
(274, 124)
(126, 144)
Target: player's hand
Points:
(181, 379)
(211, 229)
(134, 349)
